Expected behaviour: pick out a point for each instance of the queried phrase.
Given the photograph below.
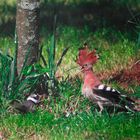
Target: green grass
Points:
(117, 51)
(83, 125)
(83, 122)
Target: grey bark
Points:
(27, 26)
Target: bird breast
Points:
(88, 93)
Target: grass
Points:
(70, 116)
(84, 125)
(116, 50)
(110, 44)
(83, 122)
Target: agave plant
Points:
(11, 84)
(34, 78)
(51, 65)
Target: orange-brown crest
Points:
(86, 57)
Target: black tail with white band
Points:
(108, 96)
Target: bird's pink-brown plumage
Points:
(93, 88)
(86, 59)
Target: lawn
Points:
(70, 116)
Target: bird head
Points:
(86, 59)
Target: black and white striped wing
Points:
(112, 95)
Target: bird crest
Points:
(86, 57)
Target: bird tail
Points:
(133, 106)
(137, 105)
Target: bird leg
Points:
(100, 106)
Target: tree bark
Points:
(27, 26)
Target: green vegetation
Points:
(116, 36)
(43, 125)
(83, 121)
(71, 116)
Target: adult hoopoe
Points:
(95, 90)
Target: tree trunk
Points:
(27, 26)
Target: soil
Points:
(129, 76)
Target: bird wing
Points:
(113, 95)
